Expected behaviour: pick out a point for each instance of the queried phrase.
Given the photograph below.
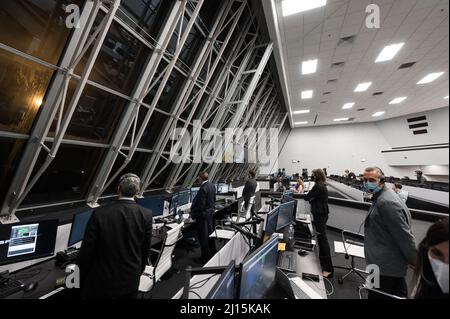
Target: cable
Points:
(323, 289)
(202, 282)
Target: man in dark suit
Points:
(249, 188)
(116, 246)
(202, 211)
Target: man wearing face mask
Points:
(389, 242)
(432, 268)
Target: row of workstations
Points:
(276, 260)
(34, 254)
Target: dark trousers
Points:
(324, 247)
(205, 227)
(391, 285)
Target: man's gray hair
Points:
(129, 185)
(378, 170)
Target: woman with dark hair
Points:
(318, 198)
(431, 274)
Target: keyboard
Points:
(288, 260)
(10, 288)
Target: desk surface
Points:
(47, 273)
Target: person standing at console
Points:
(318, 197)
(202, 211)
(116, 246)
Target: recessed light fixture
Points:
(342, 119)
(378, 114)
(430, 78)
(398, 100)
(301, 123)
(291, 7)
(446, 97)
(301, 112)
(348, 106)
(389, 52)
(310, 66)
(363, 87)
(307, 94)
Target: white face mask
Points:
(440, 270)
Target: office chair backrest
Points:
(164, 262)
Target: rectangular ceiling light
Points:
(389, 52)
(348, 106)
(430, 78)
(301, 112)
(446, 97)
(363, 87)
(309, 67)
(291, 7)
(343, 119)
(378, 114)
(307, 94)
(398, 100)
(301, 123)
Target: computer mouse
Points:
(302, 252)
(31, 286)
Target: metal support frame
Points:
(205, 59)
(230, 100)
(54, 106)
(148, 80)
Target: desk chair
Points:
(226, 233)
(351, 249)
(152, 274)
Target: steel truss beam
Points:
(148, 80)
(205, 59)
(54, 107)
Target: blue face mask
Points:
(372, 187)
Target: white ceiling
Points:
(422, 24)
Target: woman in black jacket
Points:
(318, 198)
(431, 273)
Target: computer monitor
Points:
(224, 289)
(271, 222)
(222, 188)
(258, 271)
(153, 203)
(194, 191)
(285, 215)
(184, 197)
(27, 241)
(79, 224)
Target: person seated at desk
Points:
(202, 211)
(249, 188)
(420, 178)
(300, 186)
(279, 186)
(116, 246)
(403, 195)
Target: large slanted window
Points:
(68, 177)
(10, 150)
(36, 28)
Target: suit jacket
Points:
(115, 249)
(249, 190)
(203, 204)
